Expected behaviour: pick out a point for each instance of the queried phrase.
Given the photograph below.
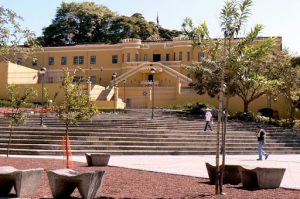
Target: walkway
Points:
(194, 165)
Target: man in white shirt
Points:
(208, 119)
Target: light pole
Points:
(124, 82)
(114, 76)
(42, 72)
(152, 70)
(90, 74)
(100, 79)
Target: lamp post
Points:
(124, 93)
(100, 79)
(152, 70)
(42, 72)
(90, 74)
(114, 76)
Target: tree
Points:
(250, 72)
(132, 27)
(168, 34)
(75, 107)
(12, 35)
(84, 22)
(231, 66)
(289, 81)
(17, 101)
(77, 23)
(244, 61)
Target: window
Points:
(34, 62)
(200, 56)
(136, 57)
(156, 57)
(75, 60)
(93, 79)
(51, 61)
(114, 59)
(93, 59)
(77, 79)
(167, 57)
(50, 79)
(81, 59)
(128, 57)
(20, 61)
(188, 56)
(63, 60)
(180, 56)
(145, 57)
(174, 56)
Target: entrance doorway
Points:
(156, 57)
(150, 78)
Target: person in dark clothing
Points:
(261, 138)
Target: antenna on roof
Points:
(157, 21)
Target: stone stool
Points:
(97, 159)
(64, 181)
(25, 182)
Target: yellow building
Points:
(121, 75)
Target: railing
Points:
(149, 83)
(166, 63)
(132, 64)
(170, 63)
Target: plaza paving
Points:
(194, 165)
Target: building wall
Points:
(132, 55)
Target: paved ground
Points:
(194, 165)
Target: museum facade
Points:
(129, 74)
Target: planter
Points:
(231, 174)
(97, 159)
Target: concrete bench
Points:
(97, 159)
(231, 174)
(261, 178)
(25, 182)
(64, 181)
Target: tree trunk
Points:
(246, 106)
(218, 187)
(223, 147)
(293, 111)
(9, 141)
(67, 145)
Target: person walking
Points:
(261, 138)
(208, 119)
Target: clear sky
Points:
(279, 17)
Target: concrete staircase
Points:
(133, 132)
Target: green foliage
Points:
(243, 61)
(5, 103)
(243, 116)
(233, 16)
(295, 61)
(11, 35)
(288, 79)
(258, 118)
(88, 22)
(77, 104)
(17, 101)
(168, 34)
(192, 108)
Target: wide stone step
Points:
(135, 133)
(134, 152)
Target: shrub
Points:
(243, 116)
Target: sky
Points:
(279, 17)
